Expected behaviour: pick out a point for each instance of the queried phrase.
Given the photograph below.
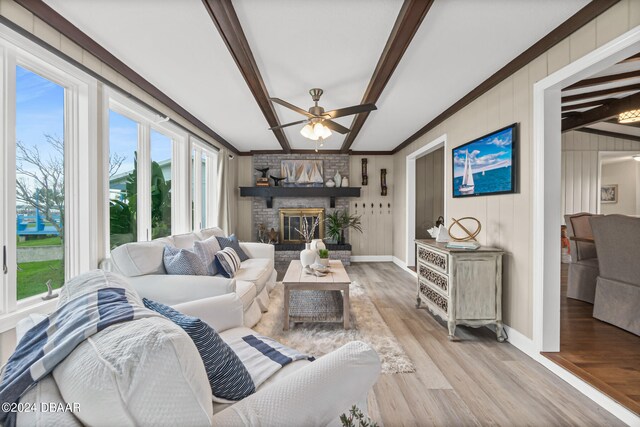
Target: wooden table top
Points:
(295, 274)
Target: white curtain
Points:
(224, 214)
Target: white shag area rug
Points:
(317, 339)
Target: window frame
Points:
(199, 149)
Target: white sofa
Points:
(142, 263)
(148, 372)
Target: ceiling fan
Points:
(319, 123)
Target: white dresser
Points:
(460, 286)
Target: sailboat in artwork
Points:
(304, 176)
(468, 185)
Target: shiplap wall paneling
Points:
(429, 191)
(375, 213)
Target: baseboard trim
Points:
(371, 258)
(527, 346)
(403, 265)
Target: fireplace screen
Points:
(291, 219)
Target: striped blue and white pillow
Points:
(228, 377)
(227, 262)
(232, 242)
(183, 261)
(207, 250)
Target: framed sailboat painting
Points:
(487, 165)
(302, 173)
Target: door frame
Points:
(439, 142)
(547, 211)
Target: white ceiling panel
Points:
(617, 128)
(334, 45)
(175, 46)
(459, 44)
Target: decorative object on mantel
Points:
(323, 255)
(262, 233)
(270, 192)
(307, 231)
(383, 181)
(276, 180)
(345, 181)
(330, 183)
(262, 181)
(459, 286)
(338, 221)
(365, 177)
(470, 235)
(302, 173)
(338, 179)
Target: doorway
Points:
(412, 222)
(429, 191)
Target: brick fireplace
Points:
(270, 217)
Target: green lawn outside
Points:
(47, 241)
(34, 275)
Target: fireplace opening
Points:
(291, 219)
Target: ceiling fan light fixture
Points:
(636, 157)
(308, 132)
(326, 132)
(318, 129)
(629, 116)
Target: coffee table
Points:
(324, 303)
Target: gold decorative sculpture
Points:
(470, 235)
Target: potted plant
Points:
(340, 220)
(324, 256)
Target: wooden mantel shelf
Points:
(270, 192)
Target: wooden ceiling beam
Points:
(226, 21)
(605, 79)
(407, 23)
(602, 113)
(603, 92)
(609, 133)
(588, 104)
(562, 31)
(66, 28)
(633, 58)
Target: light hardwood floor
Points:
(476, 381)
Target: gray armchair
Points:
(583, 270)
(617, 298)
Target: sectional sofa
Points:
(142, 263)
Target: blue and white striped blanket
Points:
(263, 357)
(54, 338)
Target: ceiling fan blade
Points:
(341, 112)
(335, 126)
(291, 107)
(288, 124)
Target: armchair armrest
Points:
(221, 313)
(333, 383)
(258, 250)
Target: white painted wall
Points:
(625, 175)
(580, 189)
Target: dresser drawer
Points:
(433, 259)
(435, 279)
(434, 297)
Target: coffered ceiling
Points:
(296, 45)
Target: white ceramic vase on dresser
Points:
(308, 255)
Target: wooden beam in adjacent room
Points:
(633, 58)
(226, 21)
(603, 92)
(602, 113)
(605, 79)
(609, 133)
(411, 15)
(561, 32)
(586, 104)
(66, 28)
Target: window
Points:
(40, 191)
(123, 187)
(148, 170)
(47, 219)
(161, 155)
(203, 185)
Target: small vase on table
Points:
(307, 255)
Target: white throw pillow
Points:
(206, 251)
(139, 258)
(140, 373)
